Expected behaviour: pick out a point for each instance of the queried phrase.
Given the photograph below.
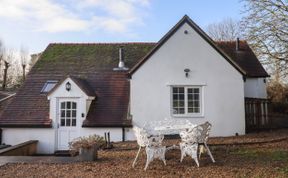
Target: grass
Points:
(271, 155)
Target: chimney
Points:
(237, 44)
(121, 64)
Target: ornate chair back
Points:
(204, 130)
(190, 136)
(155, 141)
(141, 136)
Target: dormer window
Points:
(48, 86)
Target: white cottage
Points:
(77, 89)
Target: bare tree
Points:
(24, 60)
(226, 30)
(2, 51)
(8, 57)
(266, 27)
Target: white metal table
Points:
(168, 127)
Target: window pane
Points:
(197, 110)
(181, 90)
(175, 97)
(68, 122)
(181, 96)
(190, 97)
(62, 122)
(73, 122)
(68, 105)
(181, 103)
(196, 103)
(175, 90)
(48, 86)
(181, 111)
(190, 110)
(73, 105)
(175, 111)
(175, 104)
(196, 90)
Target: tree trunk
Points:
(5, 75)
(24, 72)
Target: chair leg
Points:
(200, 151)
(182, 156)
(163, 157)
(209, 152)
(196, 160)
(147, 163)
(150, 156)
(136, 157)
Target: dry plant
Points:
(86, 142)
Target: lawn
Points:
(252, 160)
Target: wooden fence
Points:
(256, 114)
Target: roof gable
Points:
(187, 20)
(80, 83)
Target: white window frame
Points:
(201, 103)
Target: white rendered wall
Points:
(255, 88)
(45, 136)
(222, 84)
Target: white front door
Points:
(68, 122)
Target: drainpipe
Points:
(123, 134)
(0, 136)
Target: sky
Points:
(33, 24)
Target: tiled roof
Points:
(91, 65)
(244, 57)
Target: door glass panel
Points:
(62, 122)
(68, 105)
(73, 122)
(68, 122)
(62, 113)
(68, 113)
(74, 113)
(62, 105)
(73, 105)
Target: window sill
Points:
(187, 116)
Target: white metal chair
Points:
(152, 144)
(188, 144)
(203, 138)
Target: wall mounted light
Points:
(68, 86)
(186, 72)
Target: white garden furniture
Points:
(204, 129)
(152, 145)
(168, 126)
(188, 144)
